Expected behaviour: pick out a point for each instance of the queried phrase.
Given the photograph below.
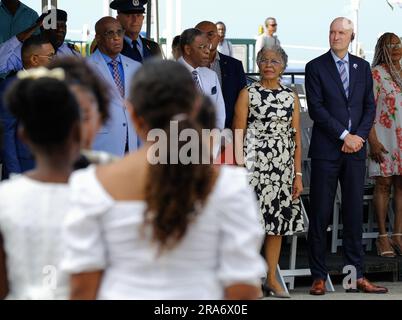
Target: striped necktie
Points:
(196, 80)
(345, 83)
(117, 78)
(344, 76)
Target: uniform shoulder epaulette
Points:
(73, 47)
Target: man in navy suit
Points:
(229, 70)
(131, 16)
(340, 99)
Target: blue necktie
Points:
(345, 83)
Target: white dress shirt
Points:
(211, 87)
(345, 59)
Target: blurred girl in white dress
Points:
(139, 230)
(33, 205)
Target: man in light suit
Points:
(117, 136)
(195, 49)
(340, 99)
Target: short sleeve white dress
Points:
(221, 247)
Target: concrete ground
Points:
(301, 293)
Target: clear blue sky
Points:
(300, 22)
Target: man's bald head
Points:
(103, 23)
(204, 24)
(344, 23)
(211, 31)
(109, 36)
(340, 36)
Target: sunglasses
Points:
(273, 25)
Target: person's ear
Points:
(187, 50)
(352, 37)
(34, 60)
(98, 38)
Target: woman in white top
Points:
(145, 230)
(33, 205)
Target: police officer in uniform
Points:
(131, 16)
(58, 35)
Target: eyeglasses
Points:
(205, 46)
(395, 46)
(275, 63)
(111, 34)
(49, 57)
(273, 25)
(211, 34)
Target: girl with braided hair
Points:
(385, 140)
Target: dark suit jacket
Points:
(17, 158)
(151, 49)
(233, 81)
(330, 109)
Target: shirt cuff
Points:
(344, 134)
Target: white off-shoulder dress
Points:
(220, 248)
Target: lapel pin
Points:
(355, 66)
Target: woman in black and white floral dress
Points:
(272, 154)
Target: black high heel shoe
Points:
(269, 292)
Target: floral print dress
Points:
(388, 123)
(269, 149)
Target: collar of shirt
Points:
(336, 58)
(215, 66)
(64, 50)
(187, 65)
(139, 43)
(109, 59)
(217, 57)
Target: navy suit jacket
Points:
(17, 157)
(233, 81)
(330, 109)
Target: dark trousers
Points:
(324, 180)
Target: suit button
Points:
(124, 124)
